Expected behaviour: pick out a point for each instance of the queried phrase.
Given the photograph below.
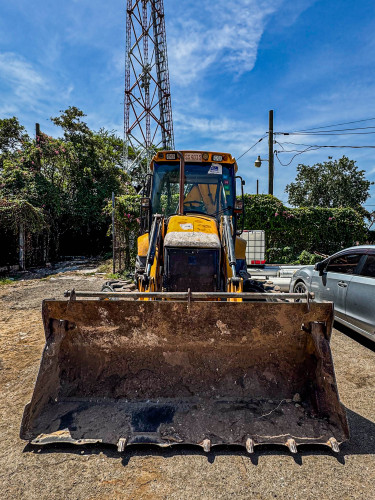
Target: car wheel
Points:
(300, 287)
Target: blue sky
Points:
(312, 61)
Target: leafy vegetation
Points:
(5, 281)
(63, 184)
(331, 184)
(16, 212)
(127, 222)
(290, 231)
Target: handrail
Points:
(188, 295)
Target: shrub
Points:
(290, 231)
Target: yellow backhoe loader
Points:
(200, 353)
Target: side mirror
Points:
(145, 204)
(320, 266)
(238, 206)
(145, 214)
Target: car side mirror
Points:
(320, 266)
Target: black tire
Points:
(251, 286)
(300, 287)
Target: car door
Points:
(360, 298)
(334, 282)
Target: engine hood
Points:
(192, 232)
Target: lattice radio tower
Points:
(148, 111)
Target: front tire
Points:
(300, 287)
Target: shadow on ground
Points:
(369, 344)
(68, 266)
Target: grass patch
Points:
(107, 268)
(5, 281)
(119, 276)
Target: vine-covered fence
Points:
(24, 235)
(291, 231)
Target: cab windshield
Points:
(208, 188)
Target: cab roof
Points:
(195, 157)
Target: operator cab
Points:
(209, 184)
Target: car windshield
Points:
(208, 188)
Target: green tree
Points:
(127, 219)
(93, 173)
(12, 136)
(331, 184)
(70, 179)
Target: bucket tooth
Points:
(291, 444)
(206, 443)
(249, 445)
(121, 445)
(334, 444)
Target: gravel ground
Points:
(183, 472)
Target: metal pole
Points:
(257, 186)
(270, 153)
(37, 138)
(22, 247)
(72, 294)
(182, 182)
(113, 235)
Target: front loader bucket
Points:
(167, 372)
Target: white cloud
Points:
(221, 133)
(225, 32)
(26, 84)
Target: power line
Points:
(327, 133)
(338, 129)
(294, 156)
(308, 148)
(317, 146)
(253, 146)
(336, 125)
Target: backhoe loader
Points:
(199, 353)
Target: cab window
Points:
(345, 264)
(208, 189)
(369, 267)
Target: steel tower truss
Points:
(148, 112)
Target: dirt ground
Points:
(94, 472)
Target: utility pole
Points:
(257, 186)
(270, 153)
(37, 138)
(113, 234)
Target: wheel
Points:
(300, 287)
(251, 286)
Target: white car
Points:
(347, 279)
